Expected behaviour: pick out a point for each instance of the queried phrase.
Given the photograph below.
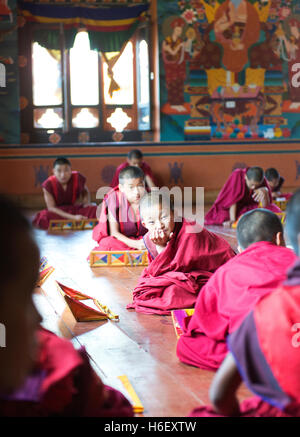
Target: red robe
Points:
(63, 385)
(144, 166)
(236, 191)
(252, 407)
(227, 298)
(64, 199)
(175, 276)
(120, 208)
(266, 351)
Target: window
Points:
(68, 90)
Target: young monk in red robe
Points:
(235, 288)
(264, 350)
(275, 181)
(41, 374)
(66, 196)
(245, 189)
(182, 258)
(120, 226)
(135, 159)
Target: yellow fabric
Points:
(255, 76)
(263, 11)
(136, 403)
(217, 77)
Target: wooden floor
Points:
(139, 346)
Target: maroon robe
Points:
(266, 351)
(227, 298)
(131, 227)
(175, 276)
(236, 191)
(64, 199)
(144, 166)
(63, 384)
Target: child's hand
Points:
(80, 217)
(140, 244)
(159, 238)
(228, 223)
(260, 194)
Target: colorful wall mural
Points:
(229, 69)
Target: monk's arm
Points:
(51, 206)
(223, 389)
(84, 198)
(114, 231)
(149, 181)
(232, 216)
(262, 195)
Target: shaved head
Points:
(255, 174)
(258, 225)
(155, 200)
(131, 172)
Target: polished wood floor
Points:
(139, 346)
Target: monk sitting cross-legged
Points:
(66, 196)
(182, 258)
(245, 189)
(234, 289)
(264, 350)
(135, 158)
(120, 226)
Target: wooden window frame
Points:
(69, 134)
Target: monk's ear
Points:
(279, 239)
(121, 188)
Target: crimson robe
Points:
(266, 351)
(227, 298)
(144, 166)
(63, 384)
(175, 276)
(236, 191)
(131, 227)
(64, 199)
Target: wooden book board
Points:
(118, 258)
(177, 318)
(281, 202)
(44, 271)
(72, 225)
(83, 307)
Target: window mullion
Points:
(65, 84)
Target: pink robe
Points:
(236, 191)
(120, 208)
(145, 167)
(175, 276)
(64, 199)
(227, 298)
(266, 351)
(63, 384)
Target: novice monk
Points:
(182, 257)
(275, 182)
(244, 190)
(41, 374)
(264, 350)
(120, 226)
(135, 158)
(66, 196)
(234, 289)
